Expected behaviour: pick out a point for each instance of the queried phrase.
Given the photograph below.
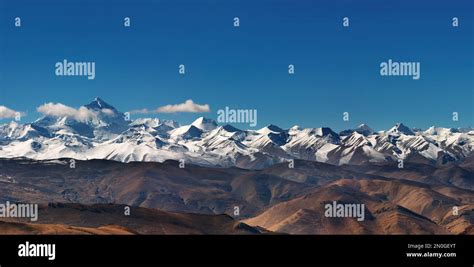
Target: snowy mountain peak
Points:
(97, 119)
(433, 130)
(99, 104)
(324, 131)
(155, 123)
(364, 129)
(400, 128)
(356, 139)
(230, 128)
(204, 124)
(149, 122)
(364, 126)
(296, 128)
(270, 129)
(186, 132)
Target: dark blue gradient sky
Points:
(337, 69)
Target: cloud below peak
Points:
(61, 110)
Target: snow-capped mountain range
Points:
(107, 135)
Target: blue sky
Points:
(337, 69)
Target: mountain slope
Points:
(390, 208)
(59, 218)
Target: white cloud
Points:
(6, 113)
(60, 110)
(187, 106)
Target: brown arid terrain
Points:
(392, 207)
(166, 199)
(14, 228)
(60, 218)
